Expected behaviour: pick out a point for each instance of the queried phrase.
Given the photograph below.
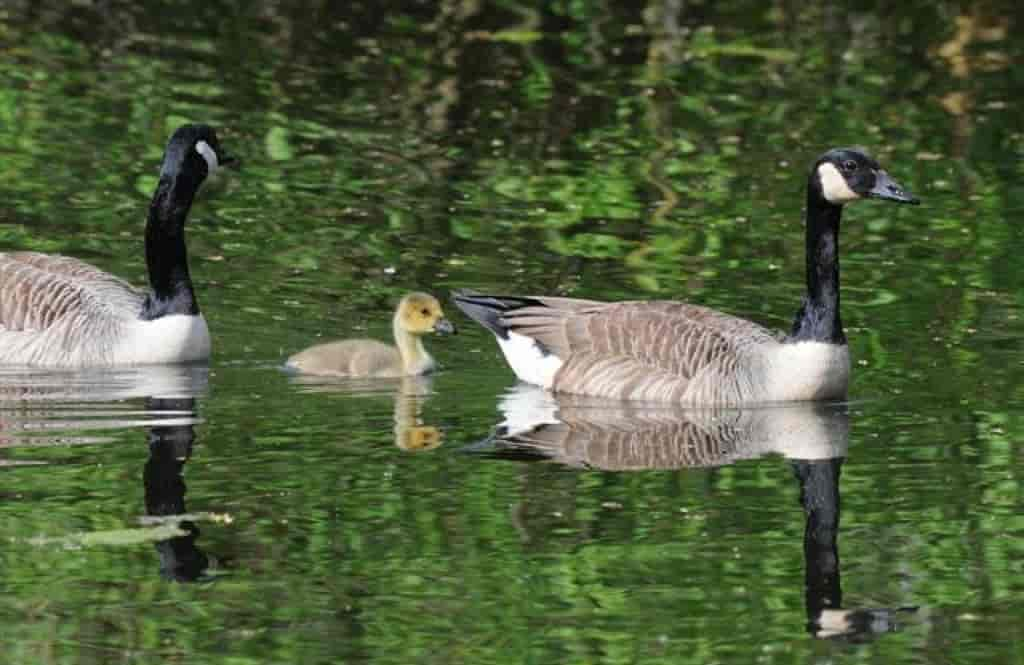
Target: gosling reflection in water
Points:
(411, 435)
(588, 433)
(410, 393)
(170, 447)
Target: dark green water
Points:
(586, 149)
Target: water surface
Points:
(237, 513)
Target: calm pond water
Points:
(238, 514)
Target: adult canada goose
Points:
(57, 311)
(676, 352)
(416, 315)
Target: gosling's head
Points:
(845, 175)
(421, 313)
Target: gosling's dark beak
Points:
(444, 327)
(890, 190)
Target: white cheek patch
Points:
(204, 149)
(834, 186)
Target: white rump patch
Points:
(527, 361)
(834, 185)
(175, 338)
(208, 153)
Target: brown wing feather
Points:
(37, 290)
(649, 350)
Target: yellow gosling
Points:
(416, 315)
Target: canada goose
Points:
(57, 311)
(416, 315)
(675, 352)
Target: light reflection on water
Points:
(607, 150)
(409, 394)
(595, 434)
(53, 408)
(45, 408)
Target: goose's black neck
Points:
(818, 318)
(166, 256)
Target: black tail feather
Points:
(488, 310)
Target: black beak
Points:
(228, 161)
(888, 189)
(444, 327)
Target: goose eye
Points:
(849, 165)
(425, 312)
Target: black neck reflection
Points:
(607, 436)
(170, 447)
(823, 593)
(819, 495)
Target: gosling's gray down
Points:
(416, 315)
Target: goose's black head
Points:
(194, 150)
(845, 175)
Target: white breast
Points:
(807, 371)
(175, 338)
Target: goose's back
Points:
(650, 350)
(40, 289)
(57, 310)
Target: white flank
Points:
(175, 338)
(527, 361)
(208, 153)
(834, 186)
(808, 371)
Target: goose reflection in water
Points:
(40, 407)
(57, 407)
(410, 393)
(170, 447)
(589, 433)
